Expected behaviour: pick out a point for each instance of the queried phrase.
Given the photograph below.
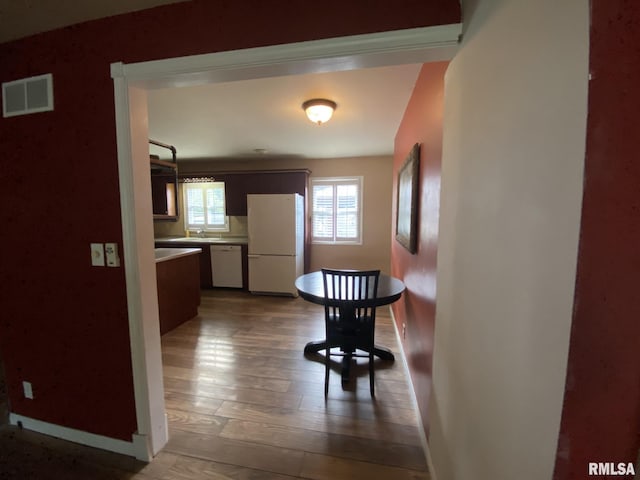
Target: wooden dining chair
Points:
(350, 316)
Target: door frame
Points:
(131, 81)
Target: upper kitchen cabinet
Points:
(164, 185)
(236, 187)
(164, 193)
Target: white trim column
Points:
(139, 263)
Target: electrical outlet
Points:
(28, 390)
(97, 255)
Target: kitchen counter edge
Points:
(165, 254)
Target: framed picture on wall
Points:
(407, 204)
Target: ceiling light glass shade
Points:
(319, 110)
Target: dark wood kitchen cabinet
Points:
(164, 189)
(206, 279)
(178, 289)
(235, 187)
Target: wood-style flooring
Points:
(243, 402)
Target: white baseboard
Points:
(136, 448)
(414, 400)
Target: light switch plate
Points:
(97, 255)
(111, 249)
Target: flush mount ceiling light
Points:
(319, 110)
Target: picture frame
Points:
(407, 201)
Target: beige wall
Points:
(377, 187)
(375, 251)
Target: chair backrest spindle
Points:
(356, 289)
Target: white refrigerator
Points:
(276, 242)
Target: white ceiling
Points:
(237, 119)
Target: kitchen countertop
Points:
(222, 240)
(164, 254)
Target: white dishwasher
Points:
(226, 265)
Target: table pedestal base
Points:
(346, 368)
(379, 351)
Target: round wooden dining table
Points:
(311, 288)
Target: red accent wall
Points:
(64, 324)
(422, 123)
(601, 412)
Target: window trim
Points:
(358, 180)
(206, 227)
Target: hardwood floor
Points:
(244, 403)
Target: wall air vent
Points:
(28, 95)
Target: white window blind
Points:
(204, 205)
(336, 210)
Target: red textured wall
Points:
(422, 123)
(64, 325)
(601, 413)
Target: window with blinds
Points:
(336, 215)
(204, 206)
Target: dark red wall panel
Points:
(64, 324)
(422, 123)
(601, 412)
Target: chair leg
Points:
(371, 373)
(327, 359)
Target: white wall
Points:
(514, 134)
